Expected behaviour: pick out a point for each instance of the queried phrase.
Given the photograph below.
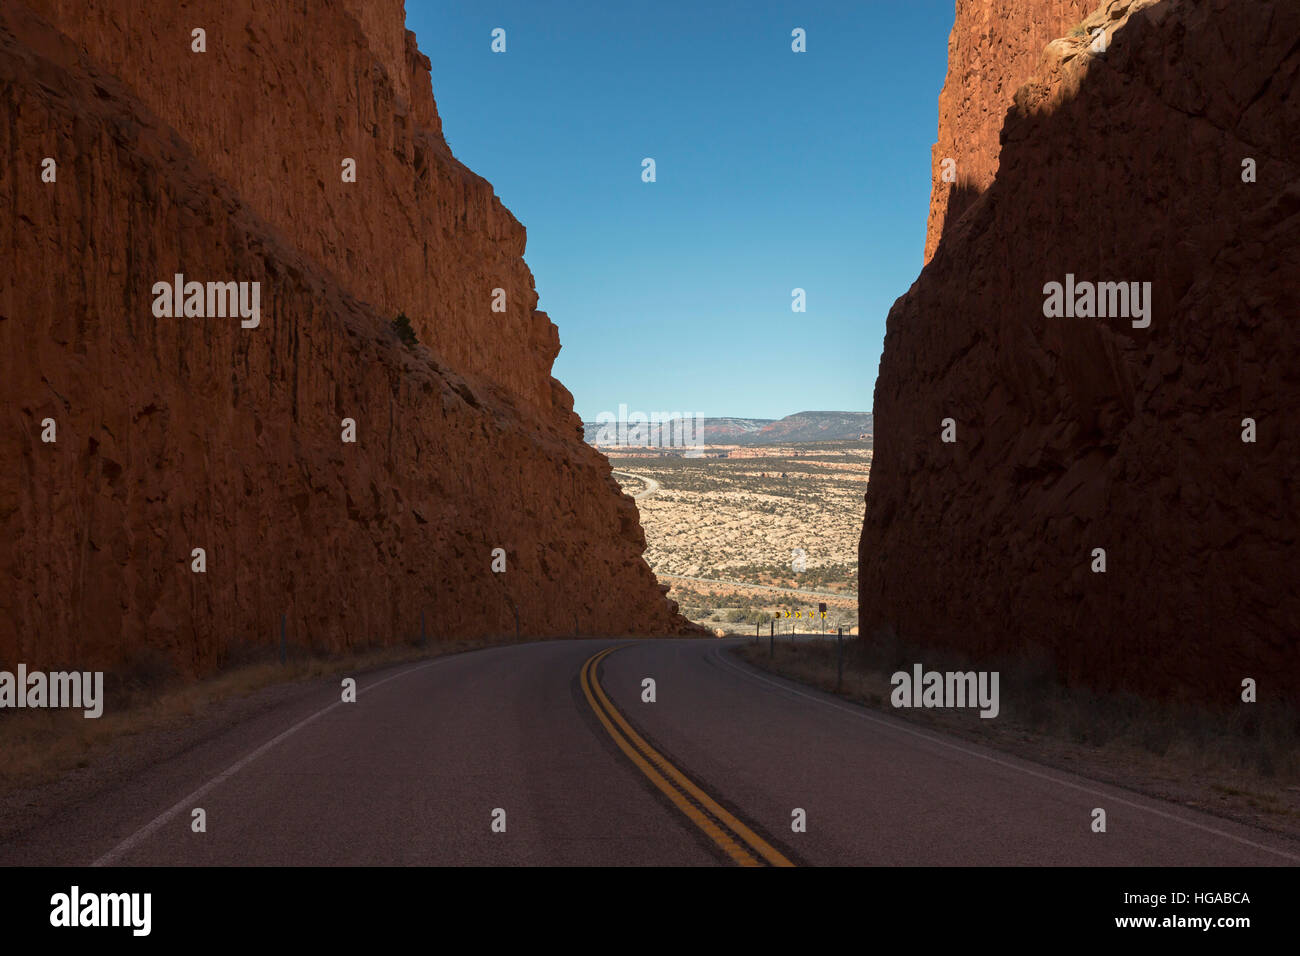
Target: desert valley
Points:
(756, 534)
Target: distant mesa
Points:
(796, 428)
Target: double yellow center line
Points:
(738, 841)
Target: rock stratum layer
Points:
(183, 433)
(1074, 434)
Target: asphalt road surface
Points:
(586, 772)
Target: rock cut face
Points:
(175, 434)
(995, 46)
(282, 96)
(1164, 159)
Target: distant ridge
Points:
(799, 427)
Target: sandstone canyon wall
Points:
(1074, 434)
(994, 48)
(180, 433)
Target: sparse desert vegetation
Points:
(748, 518)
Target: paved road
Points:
(651, 486)
(412, 772)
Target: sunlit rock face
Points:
(174, 433)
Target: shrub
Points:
(402, 326)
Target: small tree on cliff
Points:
(402, 326)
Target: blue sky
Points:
(775, 170)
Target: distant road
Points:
(651, 486)
(554, 741)
(840, 595)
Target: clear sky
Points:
(775, 170)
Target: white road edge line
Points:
(718, 654)
(152, 827)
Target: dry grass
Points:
(1243, 763)
(41, 745)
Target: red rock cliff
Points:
(1081, 433)
(286, 92)
(180, 433)
(994, 48)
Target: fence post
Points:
(839, 676)
(771, 638)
